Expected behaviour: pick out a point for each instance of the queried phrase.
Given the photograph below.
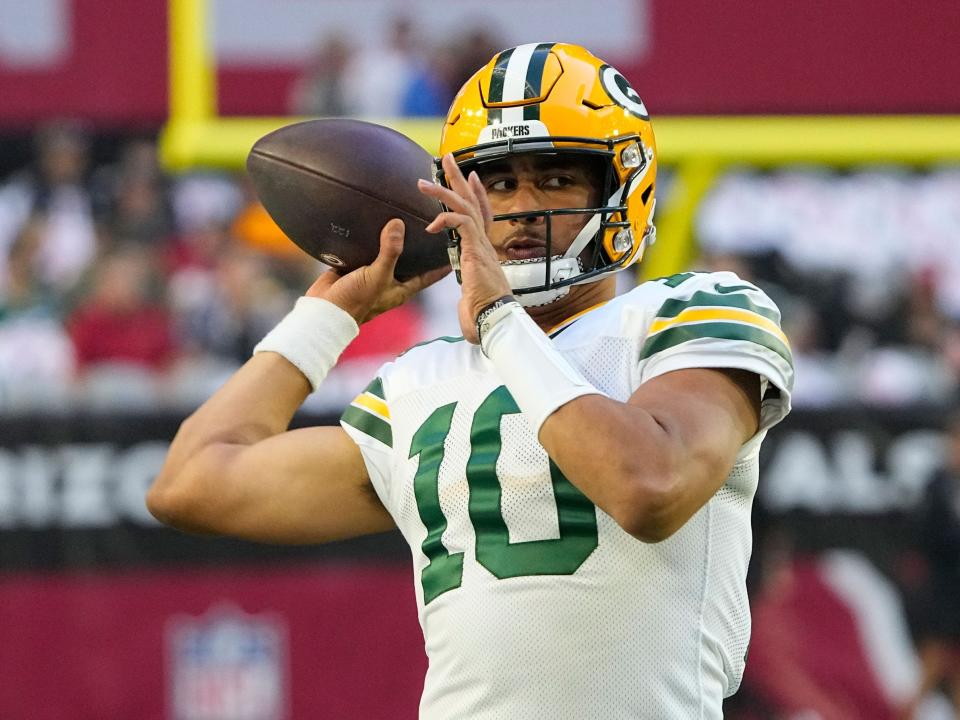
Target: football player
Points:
(575, 474)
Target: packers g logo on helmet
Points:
(619, 89)
(558, 98)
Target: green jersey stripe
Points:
(376, 388)
(368, 424)
(678, 334)
(701, 298)
(495, 94)
(675, 279)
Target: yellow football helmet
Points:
(558, 98)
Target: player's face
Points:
(538, 182)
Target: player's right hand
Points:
(372, 289)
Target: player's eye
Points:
(502, 184)
(557, 182)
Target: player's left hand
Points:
(470, 215)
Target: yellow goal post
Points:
(697, 148)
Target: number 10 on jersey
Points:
(576, 515)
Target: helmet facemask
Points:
(604, 245)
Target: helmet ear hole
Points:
(645, 195)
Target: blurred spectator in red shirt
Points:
(120, 321)
(387, 335)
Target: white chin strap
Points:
(523, 274)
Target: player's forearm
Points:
(625, 461)
(257, 402)
(656, 459)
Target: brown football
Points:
(332, 184)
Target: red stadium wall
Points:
(754, 57)
(113, 72)
(89, 646)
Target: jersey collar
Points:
(560, 327)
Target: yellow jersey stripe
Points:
(373, 404)
(702, 314)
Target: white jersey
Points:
(534, 603)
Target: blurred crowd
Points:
(125, 288)
(865, 267)
(122, 287)
(402, 77)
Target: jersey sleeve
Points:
(367, 421)
(716, 320)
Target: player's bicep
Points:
(302, 486)
(707, 415)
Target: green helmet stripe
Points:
(535, 79)
(495, 92)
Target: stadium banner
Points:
(72, 487)
(105, 61)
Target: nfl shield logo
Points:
(227, 665)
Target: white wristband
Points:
(536, 374)
(311, 337)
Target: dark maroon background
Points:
(89, 645)
(705, 57)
